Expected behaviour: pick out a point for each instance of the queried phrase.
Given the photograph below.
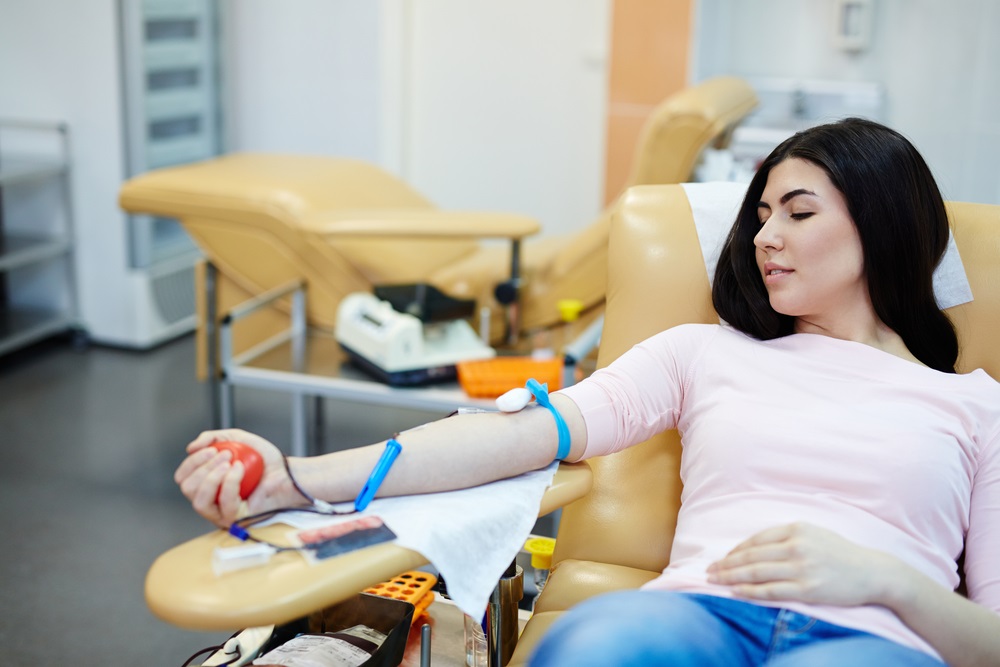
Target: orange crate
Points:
(489, 378)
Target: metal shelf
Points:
(18, 169)
(35, 313)
(20, 327)
(324, 371)
(306, 364)
(17, 250)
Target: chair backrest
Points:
(682, 126)
(656, 280)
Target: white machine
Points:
(400, 349)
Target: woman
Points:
(834, 465)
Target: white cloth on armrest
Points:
(470, 535)
(715, 205)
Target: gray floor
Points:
(88, 444)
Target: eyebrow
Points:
(788, 196)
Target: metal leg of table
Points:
(300, 446)
(300, 443)
(227, 417)
(318, 426)
(212, 343)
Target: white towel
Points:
(470, 535)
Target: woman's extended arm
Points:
(810, 564)
(453, 453)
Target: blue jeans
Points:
(644, 628)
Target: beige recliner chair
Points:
(343, 226)
(619, 535)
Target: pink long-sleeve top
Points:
(887, 453)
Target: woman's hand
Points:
(804, 563)
(207, 474)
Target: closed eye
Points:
(801, 216)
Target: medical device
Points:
(400, 349)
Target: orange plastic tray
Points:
(490, 378)
(413, 587)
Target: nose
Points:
(768, 238)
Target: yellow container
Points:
(569, 309)
(541, 549)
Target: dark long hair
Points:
(898, 210)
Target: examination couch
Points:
(343, 226)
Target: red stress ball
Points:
(253, 465)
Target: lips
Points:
(773, 272)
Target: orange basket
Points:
(489, 378)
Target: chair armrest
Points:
(182, 589)
(415, 223)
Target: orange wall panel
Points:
(650, 42)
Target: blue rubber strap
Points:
(541, 393)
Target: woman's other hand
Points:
(208, 473)
(804, 563)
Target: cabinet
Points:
(37, 290)
(171, 95)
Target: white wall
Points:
(505, 106)
(938, 63)
(302, 77)
(59, 61)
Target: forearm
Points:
(453, 453)
(964, 633)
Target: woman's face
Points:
(808, 249)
